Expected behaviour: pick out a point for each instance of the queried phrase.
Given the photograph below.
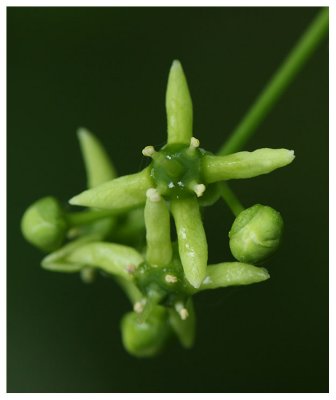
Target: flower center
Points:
(176, 171)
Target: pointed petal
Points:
(112, 258)
(99, 168)
(244, 164)
(233, 274)
(178, 106)
(119, 194)
(192, 242)
(157, 221)
(57, 261)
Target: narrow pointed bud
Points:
(119, 194)
(157, 222)
(99, 168)
(111, 258)
(256, 234)
(192, 242)
(232, 274)
(178, 106)
(245, 164)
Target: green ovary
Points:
(176, 169)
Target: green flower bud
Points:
(43, 224)
(256, 234)
(145, 338)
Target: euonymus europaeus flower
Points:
(125, 231)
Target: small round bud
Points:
(256, 234)
(43, 224)
(147, 338)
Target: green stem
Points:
(87, 216)
(231, 199)
(296, 59)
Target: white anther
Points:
(148, 151)
(153, 195)
(139, 306)
(170, 278)
(130, 268)
(87, 274)
(184, 314)
(199, 189)
(194, 143)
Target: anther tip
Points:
(194, 143)
(138, 307)
(184, 314)
(130, 268)
(153, 195)
(199, 189)
(148, 151)
(170, 278)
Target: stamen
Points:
(153, 195)
(139, 306)
(199, 189)
(170, 278)
(148, 151)
(130, 268)
(184, 314)
(194, 143)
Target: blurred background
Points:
(106, 69)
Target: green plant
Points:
(160, 276)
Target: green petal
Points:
(244, 164)
(157, 221)
(58, 262)
(112, 258)
(99, 168)
(119, 194)
(232, 274)
(178, 106)
(192, 242)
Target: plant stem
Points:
(296, 59)
(231, 199)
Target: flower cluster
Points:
(158, 275)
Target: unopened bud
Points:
(256, 234)
(43, 224)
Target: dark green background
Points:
(106, 69)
